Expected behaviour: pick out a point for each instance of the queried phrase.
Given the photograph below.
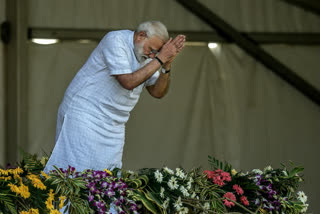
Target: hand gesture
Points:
(171, 49)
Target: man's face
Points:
(147, 48)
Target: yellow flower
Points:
(31, 211)
(108, 171)
(62, 198)
(18, 177)
(45, 175)
(14, 188)
(17, 171)
(36, 182)
(233, 172)
(4, 172)
(55, 212)
(50, 199)
(24, 191)
(6, 178)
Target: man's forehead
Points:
(155, 42)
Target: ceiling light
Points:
(45, 41)
(212, 45)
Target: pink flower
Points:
(244, 200)
(228, 203)
(238, 189)
(218, 176)
(230, 195)
(226, 176)
(217, 180)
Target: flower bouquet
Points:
(25, 188)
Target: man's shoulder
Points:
(119, 34)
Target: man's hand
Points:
(170, 50)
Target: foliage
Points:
(25, 188)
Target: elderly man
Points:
(96, 106)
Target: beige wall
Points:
(2, 92)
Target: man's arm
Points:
(166, 55)
(131, 81)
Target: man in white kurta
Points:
(96, 106)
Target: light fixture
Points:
(212, 45)
(44, 41)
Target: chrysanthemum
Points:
(302, 197)
(184, 191)
(257, 171)
(173, 184)
(206, 206)
(180, 173)
(166, 203)
(158, 176)
(162, 192)
(183, 210)
(170, 171)
(178, 204)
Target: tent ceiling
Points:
(252, 48)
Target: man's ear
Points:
(142, 35)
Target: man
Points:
(96, 106)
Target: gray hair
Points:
(154, 28)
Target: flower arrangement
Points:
(26, 189)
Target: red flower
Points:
(218, 176)
(226, 176)
(230, 195)
(238, 189)
(228, 203)
(244, 200)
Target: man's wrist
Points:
(165, 71)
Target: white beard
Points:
(138, 50)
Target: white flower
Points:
(158, 176)
(184, 210)
(189, 185)
(193, 195)
(302, 197)
(162, 192)
(268, 168)
(130, 172)
(166, 203)
(170, 171)
(184, 191)
(173, 184)
(206, 206)
(304, 209)
(257, 171)
(180, 173)
(178, 204)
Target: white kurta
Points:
(91, 118)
